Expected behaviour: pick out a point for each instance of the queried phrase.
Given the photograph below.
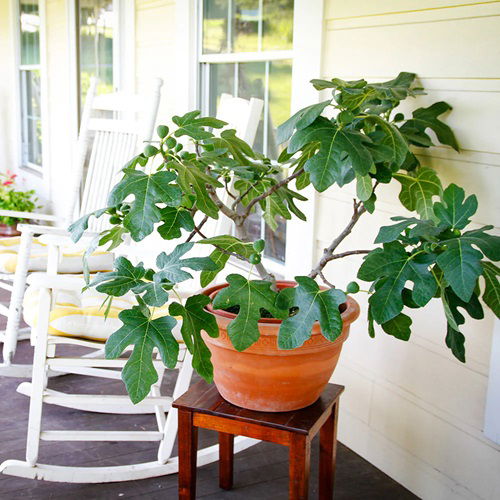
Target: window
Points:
(246, 50)
(96, 32)
(30, 84)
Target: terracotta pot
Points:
(265, 378)
(6, 230)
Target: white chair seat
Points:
(81, 314)
(71, 258)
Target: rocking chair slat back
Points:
(108, 141)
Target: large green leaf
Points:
(194, 127)
(81, 225)
(219, 258)
(391, 267)
(195, 319)
(237, 147)
(224, 245)
(144, 334)
(491, 295)
(170, 266)
(364, 188)
(148, 190)
(313, 305)
(300, 120)
(417, 189)
(398, 327)
(461, 266)
(193, 180)
(124, 278)
(424, 118)
(250, 297)
(327, 165)
(230, 244)
(455, 340)
(393, 139)
(421, 228)
(173, 220)
(489, 244)
(155, 294)
(453, 211)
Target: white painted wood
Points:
(29, 215)
(364, 8)
(39, 379)
(418, 16)
(101, 436)
(111, 404)
(107, 156)
(112, 474)
(399, 41)
(410, 408)
(492, 414)
(307, 60)
(39, 395)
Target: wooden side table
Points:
(203, 406)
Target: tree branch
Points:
(197, 229)
(271, 190)
(233, 215)
(328, 252)
(235, 203)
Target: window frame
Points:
(308, 28)
(28, 166)
(204, 62)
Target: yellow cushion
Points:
(81, 315)
(71, 261)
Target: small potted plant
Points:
(274, 344)
(13, 199)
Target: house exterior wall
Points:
(411, 408)
(7, 82)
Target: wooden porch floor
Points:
(261, 472)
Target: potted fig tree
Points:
(273, 345)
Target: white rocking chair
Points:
(108, 143)
(242, 115)
(45, 359)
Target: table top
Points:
(205, 398)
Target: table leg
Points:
(226, 455)
(327, 454)
(188, 451)
(300, 462)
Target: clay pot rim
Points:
(349, 314)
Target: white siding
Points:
(411, 408)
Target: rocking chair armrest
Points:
(29, 215)
(68, 282)
(52, 230)
(64, 240)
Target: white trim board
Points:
(492, 414)
(308, 27)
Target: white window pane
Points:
(96, 19)
(277, 24)
(30, 31)
(245, 26)
(280, 91)
(31, 117)
(251, 83)
(276, 241)
(215, 26)
(221, 81)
